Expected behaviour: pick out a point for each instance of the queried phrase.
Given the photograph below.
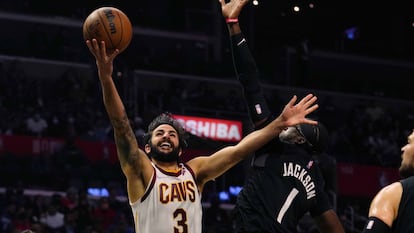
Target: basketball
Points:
(111, 25)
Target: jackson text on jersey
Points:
(300, 173)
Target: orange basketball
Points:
(111, 25)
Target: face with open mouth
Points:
(164, 144)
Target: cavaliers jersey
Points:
(278, 194)
(171, 204)
(404, 223)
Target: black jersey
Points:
(277, 195)
(404, 223)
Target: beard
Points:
(164, 157)
(406, 171)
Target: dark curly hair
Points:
(167, 118)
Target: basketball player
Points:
(165, 194)
(392, 207)
(286, 182)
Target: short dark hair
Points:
(167, 118)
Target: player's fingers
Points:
(93, 47)
(308, 100)
(222, 2)
(114, 54)
(310, 121)
(292, 101)
(95, 44)
(89, 44)
(244, 2)
(102, 49)
(311, 109)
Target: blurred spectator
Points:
(70, 200)
(104, 215)
(100, 130)
(36, 124)
(22, 221)
(53, 219)
(71, 222)
(83, 210)
(123, 223)
(7, 215)
(113, 201)
(39, 205)
(55, 127)
(71, 128)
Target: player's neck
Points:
(167, 166)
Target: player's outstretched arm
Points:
(210, 167)
(134, 162)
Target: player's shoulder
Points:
(388, 193)
(386, 203)
(391, 188)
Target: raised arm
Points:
(134, 162)
(245, 65)
(210, 167)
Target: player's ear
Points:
(147, 148)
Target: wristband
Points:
(232, 20)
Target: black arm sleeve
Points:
(376, 225)
(248, 75)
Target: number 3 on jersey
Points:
(181, 217)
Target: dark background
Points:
(309, 48)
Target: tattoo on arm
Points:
(125, 139)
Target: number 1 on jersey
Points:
(287, 204)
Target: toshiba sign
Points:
(216, 129)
